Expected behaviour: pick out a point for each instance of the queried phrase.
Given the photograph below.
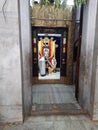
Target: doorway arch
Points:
(26, 62)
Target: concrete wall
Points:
(15, 38)
(87, 57)
(95, 76)
(95, 107)
(88, 78)
(10, 66)
(26, 52)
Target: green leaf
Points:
(80, 2)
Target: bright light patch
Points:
(70, 2)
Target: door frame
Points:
(58, 30)
(26, 62)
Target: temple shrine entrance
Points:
(53, 89)
(49, 54)
(50, 94)
(48, 17)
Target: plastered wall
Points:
(10, 65)
(15, 61)
(88, 85)
(95, 87)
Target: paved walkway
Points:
(54, 123)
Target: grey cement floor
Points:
(54, 123)
(45, 95)
(53, 93)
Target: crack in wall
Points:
(3, 9)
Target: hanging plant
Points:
(45, 2)
(79, 2)
(61, 3)
(57, 3)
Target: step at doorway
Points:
(54, 99)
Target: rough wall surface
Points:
(87, 55)
(10, 68)
(95, 111)
(26, 51)
(51, 13)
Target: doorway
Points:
(27, 55)
(26, 50)
(50, 95)
(49, 50)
